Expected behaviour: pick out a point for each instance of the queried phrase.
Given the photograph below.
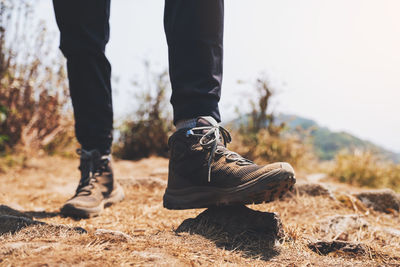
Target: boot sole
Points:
(266, 188)
(84, 212)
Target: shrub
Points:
(366, 168)
(266, 148)
(146, 132)
(261, 139)
(33, 89)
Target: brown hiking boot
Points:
(97, 187)
(204, 173)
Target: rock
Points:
(309, 189)
(384, 200)
(326, 247)
(340, 226)
(12, 224)
(114, 235)
(237, 227)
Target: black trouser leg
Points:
(194, 30)
(84, 31)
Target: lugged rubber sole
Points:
(84, 212)
(266, 188)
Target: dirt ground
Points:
(139, 231)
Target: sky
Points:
(337, 62)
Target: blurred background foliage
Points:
(34, 110)
(260, 137)
(36, 117)
(366, 168)
(145, 132)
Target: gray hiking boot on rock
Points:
(204, 173)
(97, 187)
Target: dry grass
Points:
(34, 110)
(366, 168)
(43, 187)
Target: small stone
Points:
(384, 200)
(326, 247)
(112, 234)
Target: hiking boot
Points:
(97, 187)
(204, 173)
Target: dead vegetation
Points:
(335, 226)
(34, 113)
(366, 168)
(139, 231)
(145, 133)
(260, 138)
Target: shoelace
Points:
(90, 173)
(210, 136)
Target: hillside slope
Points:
(139, 231)
(326, 143)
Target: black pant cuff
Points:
(192, 110)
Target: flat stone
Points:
(326, 247)
(384, 200)
(237, 227)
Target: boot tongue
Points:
(206, 121)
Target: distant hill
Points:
(326, 143)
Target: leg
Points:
(202, 171)
(194, 30)
(84, 34)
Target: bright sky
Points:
(337, 62)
